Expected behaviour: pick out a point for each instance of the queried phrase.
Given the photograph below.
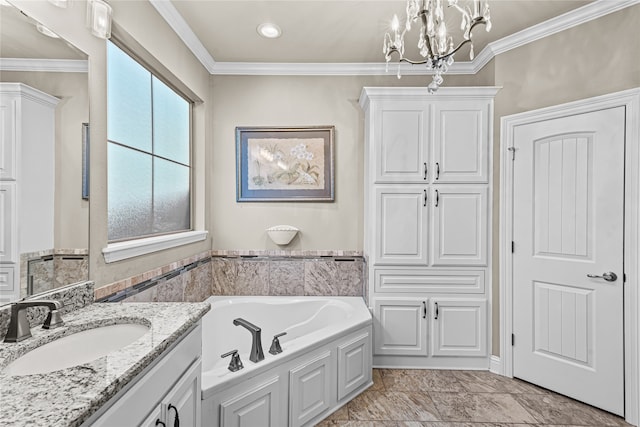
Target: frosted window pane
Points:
(128, 100)
(171, 197)
(129, 193)
(170, 124)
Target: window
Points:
(148, 132)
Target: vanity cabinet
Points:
(165, 392)
(428, 223)
(27, 142)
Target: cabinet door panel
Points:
(460, 226)
(461, 142)
(155, 418)
(459, 327)
(8, 138)
(401, 142)
(258, 407)
(310, 390)
(184, 400)
(8, 228)
(401, 226)
(400, 327)
(428, 280)
(354, 365)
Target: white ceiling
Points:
(335, 31)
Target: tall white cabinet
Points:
(27, 178)
(428, 224)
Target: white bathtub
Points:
(320, 330)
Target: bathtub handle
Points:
(234, 365)
(275, 344)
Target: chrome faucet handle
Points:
(19, 328)
(275, 344)
(236, 363)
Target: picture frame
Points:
(283, 164)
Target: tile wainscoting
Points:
(297, 273)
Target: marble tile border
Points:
(143, 280)
(250, 272)
(285, 254)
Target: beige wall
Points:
(71, 211)
(574, 64)
(139, 20)
(296, 101)
(582, 62)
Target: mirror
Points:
(51, 229)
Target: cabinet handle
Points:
(437, 311)
(160, 422)
(437, 171)
(425, 198)
(425, 171)
(437, 198)
(176, 422)
(424, 309)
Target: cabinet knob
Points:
(425, 171)
(437, 198)
(437, 311)
(437, 171)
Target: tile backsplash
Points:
(310, 273)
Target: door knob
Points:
(609, 277)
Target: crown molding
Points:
(167, 10)
(50, 65)
(589, 12)
(331, 69)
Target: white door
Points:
(568, 225)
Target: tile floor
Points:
(438, 398)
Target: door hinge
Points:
(513, 152)
(513, 339)
(513, 246)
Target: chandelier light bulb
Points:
(395, 23)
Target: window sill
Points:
(133, 248)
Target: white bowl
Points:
(282, 234)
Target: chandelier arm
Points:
(401, 58)
(427, 40)
(476, 22)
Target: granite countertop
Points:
(70, 396)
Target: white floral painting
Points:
(284, 164)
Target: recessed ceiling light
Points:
(47, 32)
(269, 31)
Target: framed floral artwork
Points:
(277, 164)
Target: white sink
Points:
(76, 349)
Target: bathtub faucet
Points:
(256, 339)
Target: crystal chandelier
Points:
(435, 44)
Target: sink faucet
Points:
(19, 328)
(256, 339)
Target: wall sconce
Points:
(99, 18)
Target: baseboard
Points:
(495, 365)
